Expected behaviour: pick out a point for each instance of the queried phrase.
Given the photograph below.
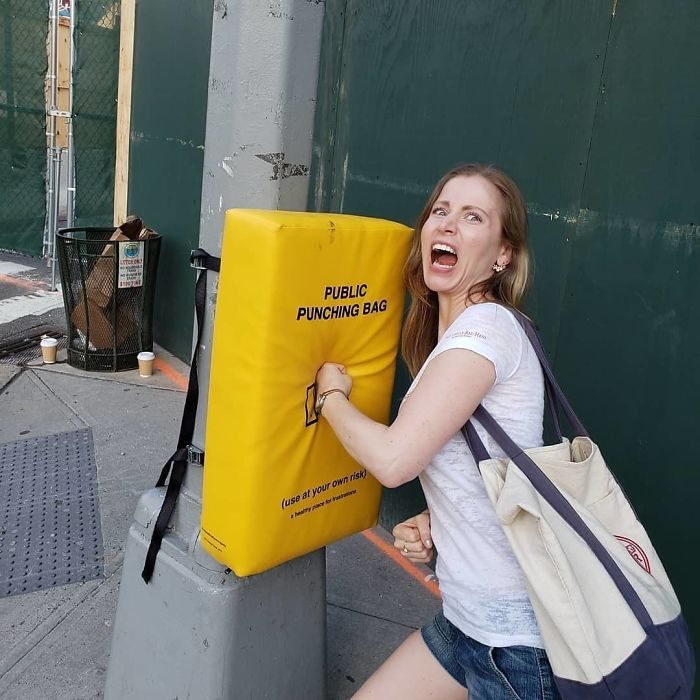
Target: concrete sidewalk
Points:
(54, 643)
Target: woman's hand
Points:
(333, 376)
(412, 538)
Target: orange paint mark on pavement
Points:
(18, 282)
(179, 379)
(399, 559)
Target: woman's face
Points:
(461, 238)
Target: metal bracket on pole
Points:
(194, 262)
(195, 455)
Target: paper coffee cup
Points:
(48, 350)
(145, 363)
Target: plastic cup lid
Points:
(145, 355)
(48, 342)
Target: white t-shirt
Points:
(481, 582)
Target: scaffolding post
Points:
(52, 183)
(70, 192)
(55, 152)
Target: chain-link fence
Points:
(24, 53)
(23, 65)
(95, 79)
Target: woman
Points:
(468, 263)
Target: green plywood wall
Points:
(632, 294)
(595, 113)
(171, 71)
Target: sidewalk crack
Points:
(12, 380)
(366, 614)
(19, 657)
(44, 386)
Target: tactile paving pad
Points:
(50, 532)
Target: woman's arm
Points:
(451, 387)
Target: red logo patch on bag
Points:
(636, 552)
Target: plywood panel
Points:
(629, 324)
(166, 149)
(594, 111)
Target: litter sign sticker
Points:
(130, 264)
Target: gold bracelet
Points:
(322, 399)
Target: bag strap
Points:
(176, 466)
(557, 401)
(545, 487)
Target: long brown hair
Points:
(507, 287)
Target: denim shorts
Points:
(490, 673)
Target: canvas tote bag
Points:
(610, 620)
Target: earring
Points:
(498, 267)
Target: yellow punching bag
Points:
(295, 290)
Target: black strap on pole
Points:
(176, 466)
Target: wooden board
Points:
(63, 78)
(126, 61)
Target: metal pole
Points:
(49, 197)
(59, 157)
(70, 193)
(196, 629)
(52, 184)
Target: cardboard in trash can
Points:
(99, 284)
(99, 292)
(99, 323)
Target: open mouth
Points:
(443, 256)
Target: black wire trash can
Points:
(108, 283)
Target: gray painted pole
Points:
(197, 630)
(51, 179)
(70, 178)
